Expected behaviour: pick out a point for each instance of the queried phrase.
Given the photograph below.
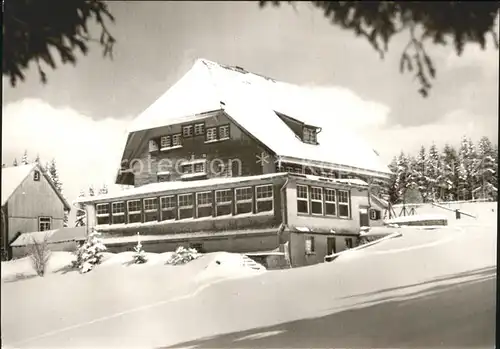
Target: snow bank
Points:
(22, 267)
(227, 265)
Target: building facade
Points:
(214, 165)
(30, 202)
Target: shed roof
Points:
(53, 236)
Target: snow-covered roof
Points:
(13, 176)
(161, 187)
(53, 236)
(252, 102)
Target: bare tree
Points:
(39, 253)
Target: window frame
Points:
(106, 214)
(172, 209)
(347, 204)
(223, 203)
(208, 132)
(36, 176)
(257, 199)
(321, 201)
(177, 136)
(198, 124)
(49, 222)
(330, 202)
(168, 141)
(144, 203)
(117, 214)
(243, 201)
(198, 205)
(306, 199)
(136, 212)
(219, 128)
(179, 207)
(187, 127)
(312, 248)
(309, 135)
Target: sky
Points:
(80, 116)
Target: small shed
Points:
(62, 239)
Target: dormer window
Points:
(309, 135)
(36, 176)
(187, 131)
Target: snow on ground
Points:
(180, 303)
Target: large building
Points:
(222, 161)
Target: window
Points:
(264, 198)
(317, 200)
(193, 167)
(118, 212)
(223, 202)
(36, 176)
(163, 177)
(309, 135)
(199, 167)
(348, 243)
(134, 211)
(150, 210)
(224, 132)
(44, 223)
(330, 206)
(204, 204)
(102, 213)
(176, 140)
(310, 248)
(167, 207)
(187, 131)
(343, 203)
(211, 134)
(374, 215)
(302, 199)
(199, 129)
(185, 204)
(243, 198)
(166, 141)
(153, 145)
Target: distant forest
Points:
(446, 174)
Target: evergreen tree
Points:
(24, 159)
(91, 190)
(90, 253)
(15, 162)
(139, 255)
(37, 159)
(485, 172)
(450, 175)
(103, 190)
(432, 170)
(420, 173)
(392, 191)
(80, 214)
(54, 176)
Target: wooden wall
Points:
(239, 146)
(31, 200)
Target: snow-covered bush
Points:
(90, 253)
(183, 255)
(39, 254)
(139, 255)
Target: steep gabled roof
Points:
(12, 177)
(253, 101)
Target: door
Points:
(364, 220)
(330, 246)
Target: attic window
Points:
(36, 176)
(309, 135)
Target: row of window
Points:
(189, 205)
(214, 133)
(321, 201)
